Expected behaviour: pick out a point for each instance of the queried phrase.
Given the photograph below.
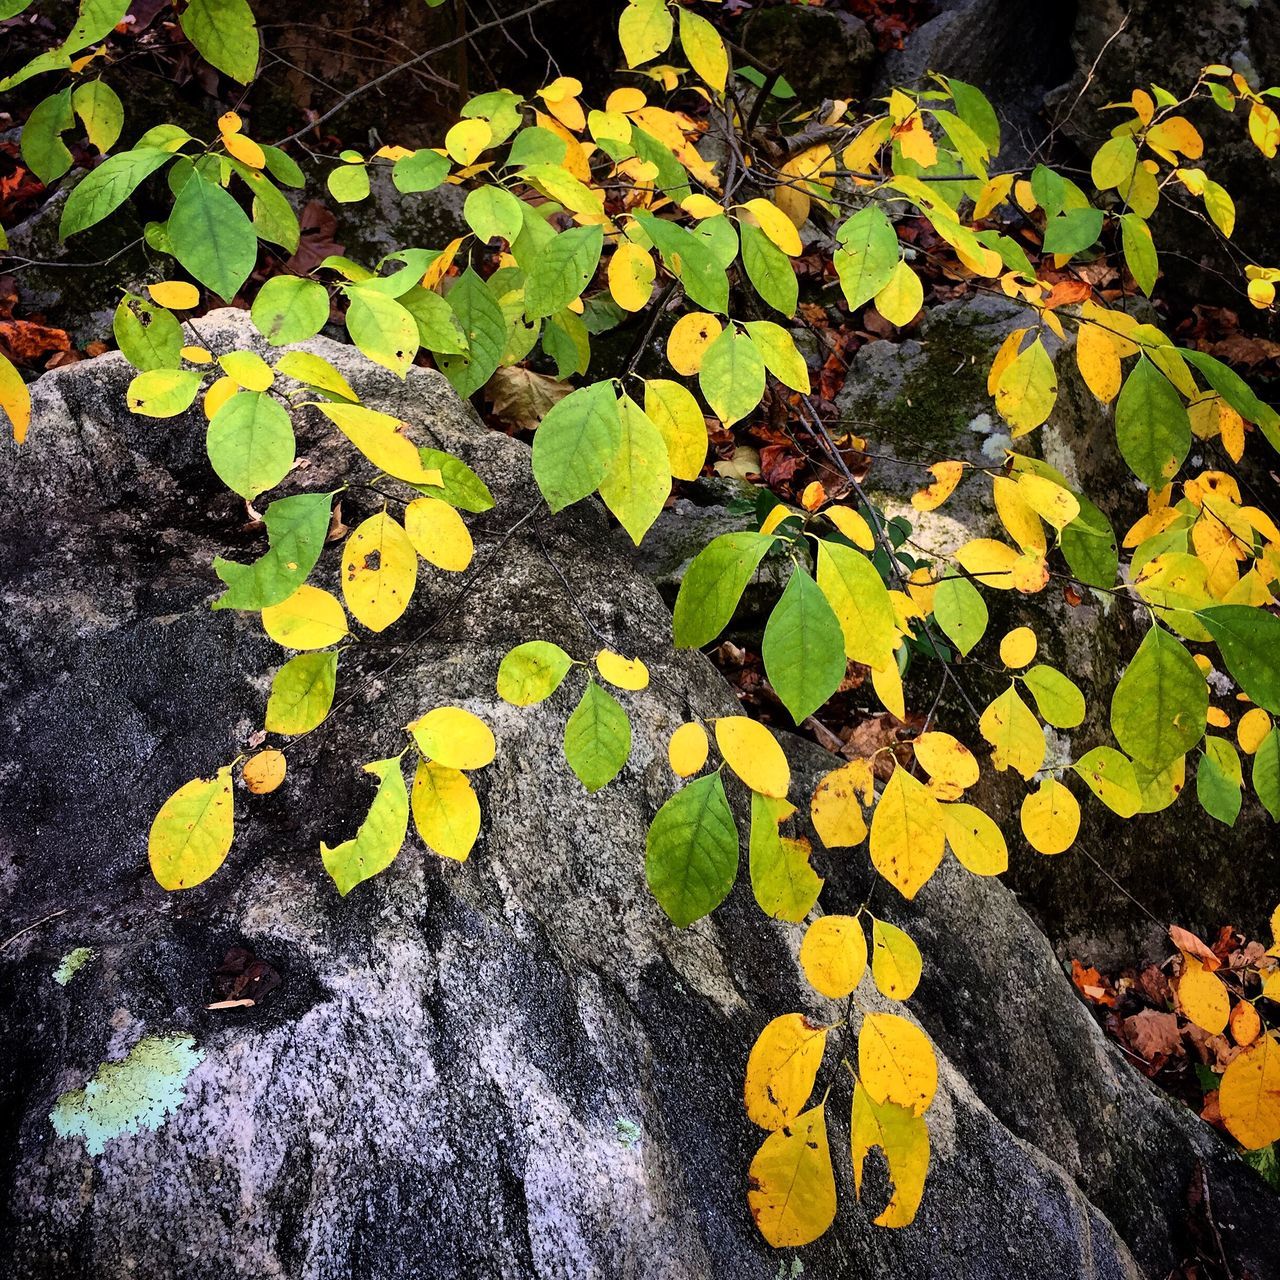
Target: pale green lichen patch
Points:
(71, 964)
(127, 1096)
(627, 1130)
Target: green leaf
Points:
(250, 443)
(532, 672)
(785, 885)
(296, 529)
(425, 170)
(163, 393)
(493, 214)
(348, 183)
(1266, 773)
(43, 150)
(1089, 546)
(597, 738)
(691, 852)
(1159, 706)
(1111, 777)
(273, 217)
(781, 357)
(803, 647)
(713, 584)
(1073, 231)
(108, 186)
(95, 21)
(148, 336)
(302, 693)
(691, 260)
(1236, 392)
(381, 834)
(732, 376)
(562, 270)
(290, 309)
(212, 236)
(224, 33)
(576, 443)
(638, 481)
(462, 488)
(961, 612)
(1139, 251)
(283, 168)
(1058, 700)
(438, 328)
(769, 269)
(977, 112)
(866, 256)
(1152, 427)
(382, 329)
(101, 112)
(1219, 779)
(485, 329)
(1249, 640)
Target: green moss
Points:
(71, 964)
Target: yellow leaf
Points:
(753, 753)
(196, 355)
(1050, 817)
(1098, 361)
(192, 833)
(689, 339)
(624, 101)
(439, 534)
(1049, 500)
(178, 295)
(857, 594)
(887, 682)
(247, 369)
(896, 1062)
(946, 475)
(15, 399)
(904, 1139)
(1246, 1026)
(835, 809)
(454, 737)
(1015, 734)
(1030, 573)
(1017, 515)
(245, 150)
(989, 561)
(1202, 997)
(853, 526)
(309, 619)
(441, 264)
(976, 840)
(445, 809)
(631, 276)
(1249, 1094)
(264, 772)
(993, 194)
(687, 750)
(1018, 648)
(895, 961)
(908, 835)
(917, 143)
(791, 1185)
(704, 48)
(1004, 358)
(1253, 728)
(467, 139)
(949, 763)
(781, 1069)
(377, 436)
(833, 955)
(218, 394)
(673, 410)
(775, 224)
(899, 302)
(623, 673)
(379, 571)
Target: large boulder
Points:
(512, 1067)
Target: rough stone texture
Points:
(514, 1067)
(925, 398)
(823, 53)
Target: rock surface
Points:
(513, 1067)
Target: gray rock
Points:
(823, 53)
(510, 1067)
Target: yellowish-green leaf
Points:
(704, 48)
(1010, 726)
(900, 300)
(976, 840)
(531, 672)
(1027, 390)
(378, 437)
(374, 847)
(673, 410)
(1110, 776)
(445, 809)
(861, 602)
(896, 964)
(454, 737)
(638, 481)
(191, 835)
